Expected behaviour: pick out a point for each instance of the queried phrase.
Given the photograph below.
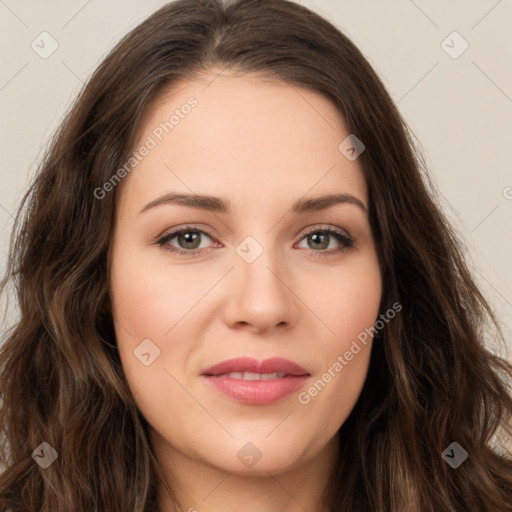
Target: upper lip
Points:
(251, 365)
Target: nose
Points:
(261, 295)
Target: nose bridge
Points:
(258, 264)
(259, 292)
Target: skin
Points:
(262, 145)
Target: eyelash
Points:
(346, 242)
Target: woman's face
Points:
(255, 274)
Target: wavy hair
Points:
(431, 379)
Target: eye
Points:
(321, 238)
(188, 240)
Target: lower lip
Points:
(257, 392)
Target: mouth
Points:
(254, 382)
(253, 376)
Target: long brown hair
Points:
(431, 380)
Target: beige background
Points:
(460, 108)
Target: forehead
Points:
(245, 136)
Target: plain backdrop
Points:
(447, 65)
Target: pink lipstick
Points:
(256, 382)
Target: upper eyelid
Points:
(192, 227)
(324, 227)
(173, 232)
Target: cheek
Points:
(155, 309)
(143, 310)
(349, 306)
(348, 300)
(146, 302)
(151, 300)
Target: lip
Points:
(249, 364)
(256, 392)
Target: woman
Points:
(236, 290)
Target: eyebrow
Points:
(221, 205)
